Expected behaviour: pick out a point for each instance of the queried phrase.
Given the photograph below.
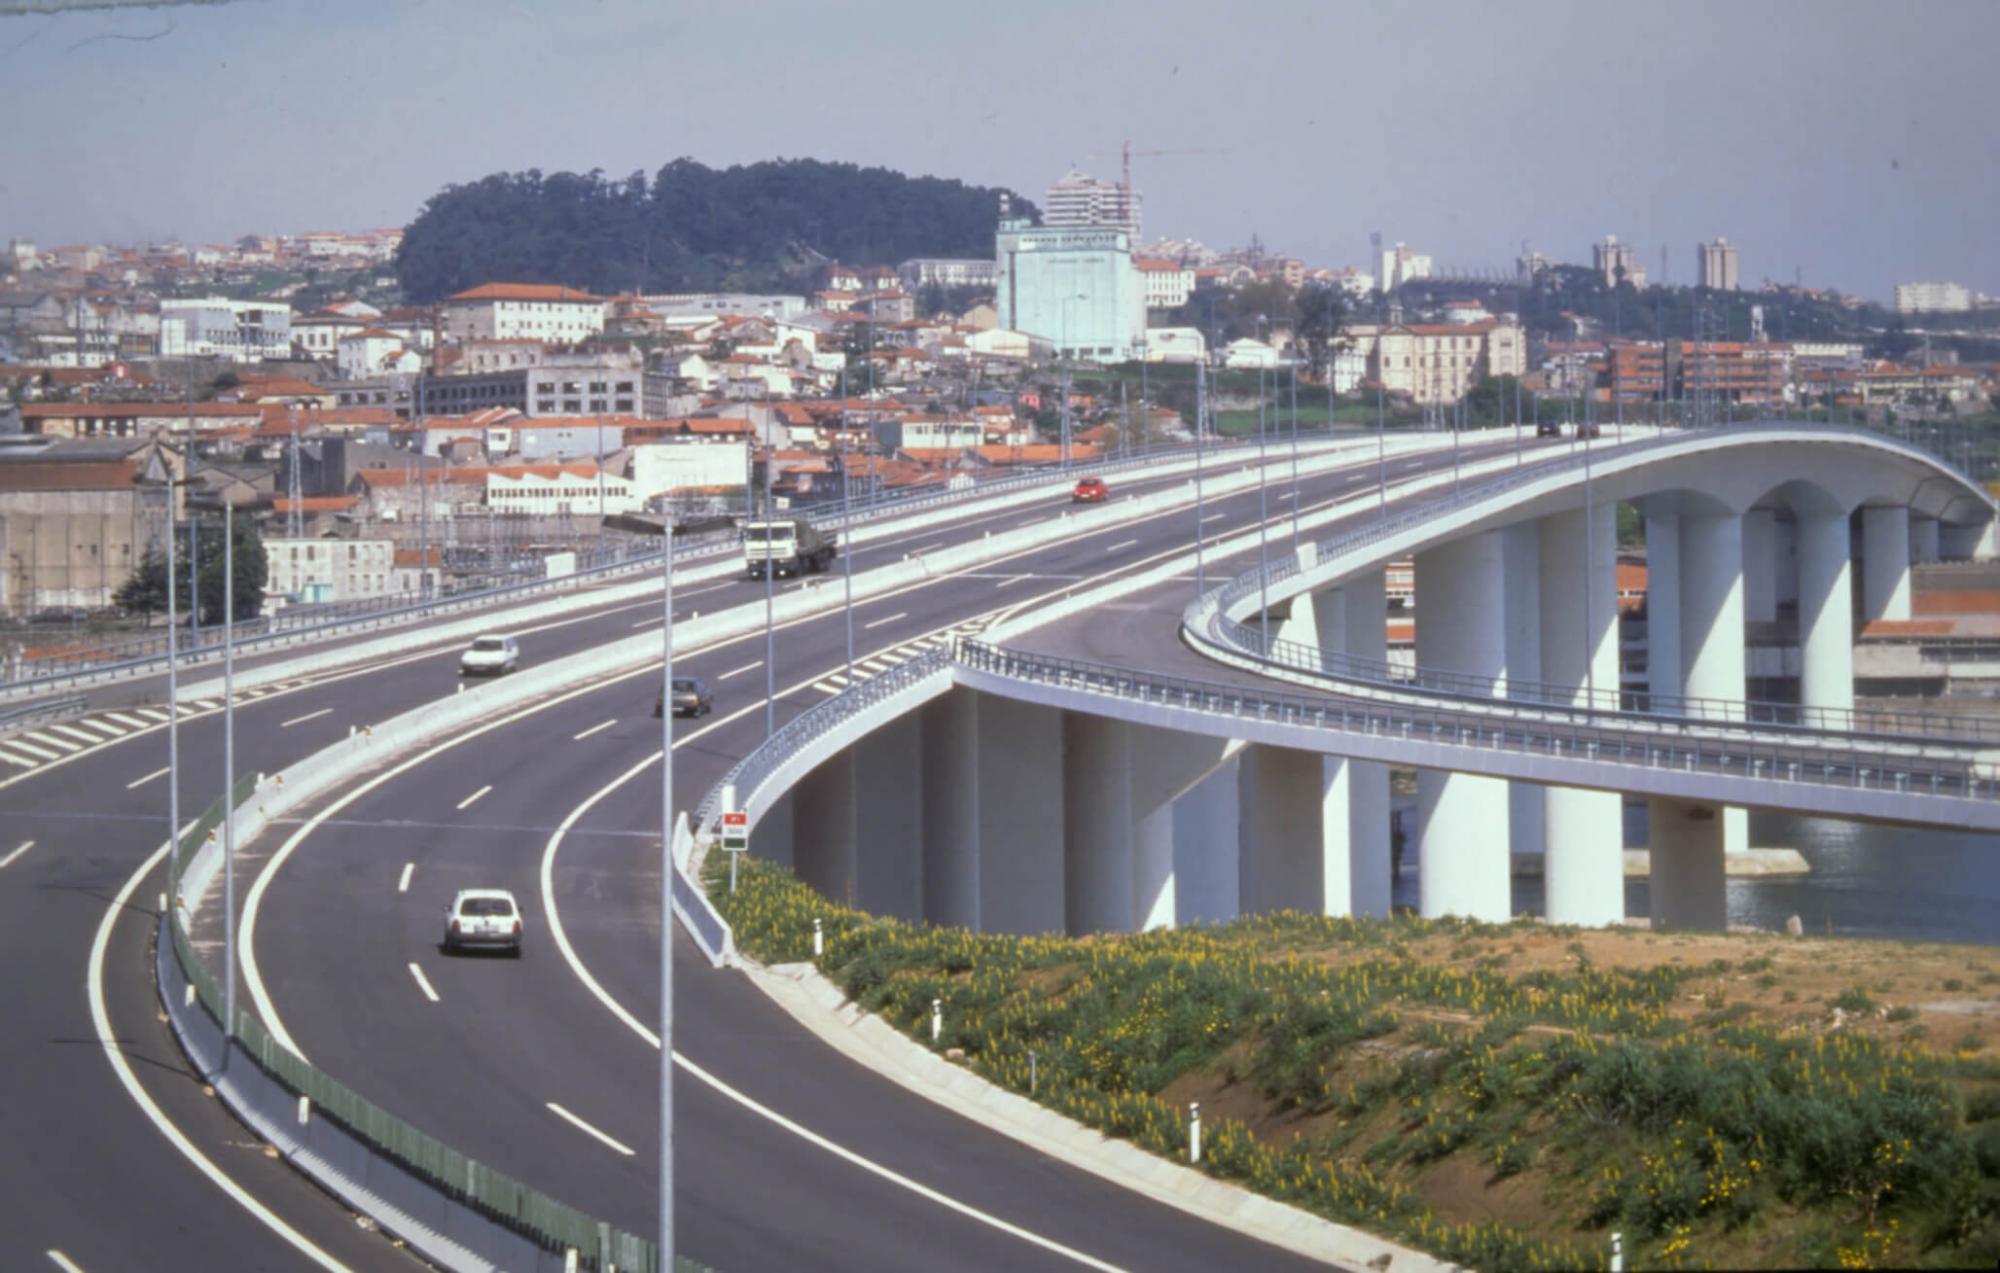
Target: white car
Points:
(483, 917)
(490, 656)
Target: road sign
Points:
(735, 832)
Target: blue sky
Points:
(1853, 142)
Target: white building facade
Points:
(215, 327)
(534, 311)
(1074, 287)
(324, 570)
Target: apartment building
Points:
(537, 311)
(326, 570)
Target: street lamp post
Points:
(229, 769)
(1200, 418)
(667, 871)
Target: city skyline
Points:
(1628, 123)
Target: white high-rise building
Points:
(1618, 262)
(1400, 266)
(1718, 265)
(1082, 200)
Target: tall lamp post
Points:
(667, 871)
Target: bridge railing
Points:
(798, 733)
(1826, 760)
(1882, 724)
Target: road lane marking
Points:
(423, 982)
(105, 729)
(132, 722)
(474, 797)
(900, 614)
(594, 729)
(1121, 546)
(140, 782)
(824, 688)
(403, 884)
(64, 1263)
(154, 714)
(646, 623)
(67, 732)
(618, 1145)
(15, 761)
(300, 720)
(1011, 580)
(114, 1052)
(40, 753)
(9, 859)
(918, 552)
(1212, 517)
(49, 741)
(738, 671)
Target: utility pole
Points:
(1200, 414)
(1263, 517)
(1295, 455)
(228, 769)
(668, 868)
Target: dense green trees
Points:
(145, 592)
(693, 227)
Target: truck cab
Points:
(786, 546)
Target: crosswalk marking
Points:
(14, 760)
(130, 722)
(38, 753)
(70, 732)
(51, 741)
(152, 714)
(104, 728)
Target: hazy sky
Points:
(1856, 142)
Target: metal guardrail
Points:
(749, 773)
(1665, 710)
(553, 1226)
(1727, 756)
(26, 714)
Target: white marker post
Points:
(819, 938)
(937, 1020)
(1194, 1131)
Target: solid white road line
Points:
(140, 782)
(618, 1145)
(738, 671)
(475, 796)
(300, 720)
(64, 1263)
(9, 859)
(594, 729)
(900, 614)
(1121, 546)
(114, 1052)
(403, 884)
(423, 982)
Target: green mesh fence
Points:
(553, 1225)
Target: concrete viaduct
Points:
(1232, 755)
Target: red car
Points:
(1090, 490)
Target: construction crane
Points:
(1125, 154)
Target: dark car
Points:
(1090, 490)
(1589, 431)
(690, 698)
(1548, 429)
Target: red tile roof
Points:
(527, 292)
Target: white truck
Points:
(786, 546)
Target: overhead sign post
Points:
(735, 840)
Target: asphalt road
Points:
(480, 1065)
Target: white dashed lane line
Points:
(474, 797)
(140, 782)
(594, 729)
(423, 983)
(403, 884)
(588, 1130)
(300, 720)
(9, 859)
(900, 614)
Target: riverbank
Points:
(1500, 1095)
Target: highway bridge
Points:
(1041, 673)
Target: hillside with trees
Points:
(753, 227)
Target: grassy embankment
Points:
(1506, 1096)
